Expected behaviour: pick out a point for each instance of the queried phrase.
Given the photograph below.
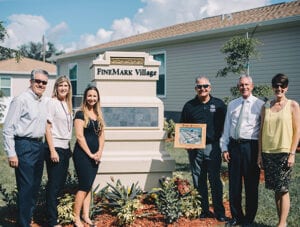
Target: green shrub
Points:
(169, 127)
(176, 198)
(121, 201)
(239, 50)
(168, 200)
(191, 205)
(9, 197)
(65, 208)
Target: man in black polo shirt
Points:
(205, 109)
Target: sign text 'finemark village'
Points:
(126, 72)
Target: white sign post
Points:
(134, 150)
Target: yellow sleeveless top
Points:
(277, 130)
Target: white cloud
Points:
(216, 7)
(86, 40)
(57, 32)
(156, 14)
(25, 28)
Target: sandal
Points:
(89, 222)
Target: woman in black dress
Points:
(89, 125)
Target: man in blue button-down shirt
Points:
(23, 132)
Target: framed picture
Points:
(190, 136)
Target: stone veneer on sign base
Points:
(134, 148)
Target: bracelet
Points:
(292, 153)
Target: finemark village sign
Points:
(125, 72)
(126, 67)
(134, 150)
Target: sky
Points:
(75, 24)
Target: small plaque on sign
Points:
(130, 116)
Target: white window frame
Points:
(9, 87)
(70, 66)
(165, 71)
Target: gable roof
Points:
(25, 66)
(247, 17)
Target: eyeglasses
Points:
(279, 85)
(200, 86)
(40, 81)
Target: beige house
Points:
(15, 76)
(189, 49)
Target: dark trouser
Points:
(207, 163)
(28, 177)
(243, 168)
(57, 174)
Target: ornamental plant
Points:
(176, 198)
(9, 197)
(168, 200)
(65, 208)
(169, 127)
(190, 198)
(238, 50)
(121, 201)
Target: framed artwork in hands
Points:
(190, 136)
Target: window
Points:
(161, 83)
(73, 77)
(5, 86)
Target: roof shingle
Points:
(25, 65)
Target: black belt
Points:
(241, 140)
(36, 139)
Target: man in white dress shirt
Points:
(23, 132)
(239, 144)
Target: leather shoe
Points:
(234, 222)
(222, 218)
(207, 214)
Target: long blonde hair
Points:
(96, 108)
(58, 81)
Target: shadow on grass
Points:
(181, 167)
(7, 217)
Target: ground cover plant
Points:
(146, 203)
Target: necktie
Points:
(239, 123)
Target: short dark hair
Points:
(280, 79)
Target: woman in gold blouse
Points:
(279, 137)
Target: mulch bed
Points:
(157, 220)
(107, 220)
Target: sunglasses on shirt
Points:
(40, 81)
(200, 86)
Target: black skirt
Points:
(277, 172)
(86, 169)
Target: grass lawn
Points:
(266, 215)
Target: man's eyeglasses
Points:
(40, 81)
(200, 86)
(279, 85)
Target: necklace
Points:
(96, 128)
(67, 116)
(277, 106)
